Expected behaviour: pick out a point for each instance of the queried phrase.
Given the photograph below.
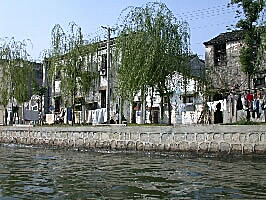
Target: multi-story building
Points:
(223, 68)
(91, 108)
(222, 57)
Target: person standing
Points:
(117, 118)
(263, 106)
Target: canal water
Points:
(37, 173)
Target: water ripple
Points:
(36, 173)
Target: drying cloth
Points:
(31, 115)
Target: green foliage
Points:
(246, 58)
(86, 79)
(16, 71)
(22, 81)
(71, 62)
(252, 10)
(39, 90)
(152, 45)
(262, 49)
(249, 55)
(4, 84)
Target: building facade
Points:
(186, 99)
(222, 57)
(233, 100)
(92, 107)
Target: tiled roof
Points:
(226, 37)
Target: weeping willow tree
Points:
(71, 62)
(16, 70)
(151, 45)
(250, 57)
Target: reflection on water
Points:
(35, 173)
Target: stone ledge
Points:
(169, 139)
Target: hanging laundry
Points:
(94, 117)
(104, 114)
(244, 102)
(98, 116)
(89, 117)
(209, 104)
(223, 104)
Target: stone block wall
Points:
(228, 74)
(194, 139)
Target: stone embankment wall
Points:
(198, 139)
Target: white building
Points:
(186, 100)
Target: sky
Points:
(34, 19)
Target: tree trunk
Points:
(11, 113)
(73, 110)
(40, 110)
(169, 109)
(133, 113)
(18, 114)
(121, 110)
(143, 107)
(22, 114)
(162, 108)
(6, 116)
(249, 81)
(151, 110)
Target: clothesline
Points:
(98, 116)
(213, 105)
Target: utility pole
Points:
(108, 72)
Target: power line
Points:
(218, 24)
(205, 9)
(208, 12)
(192, 18)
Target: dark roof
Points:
(195, 56)
(197, 67)
(226, 37)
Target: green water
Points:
(37, 173)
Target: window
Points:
(103, 99)
(188, 99)
(57, 104)
(259, 82)
(165, 103)
(220, 54)
(103, 65)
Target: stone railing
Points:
(198, 139)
